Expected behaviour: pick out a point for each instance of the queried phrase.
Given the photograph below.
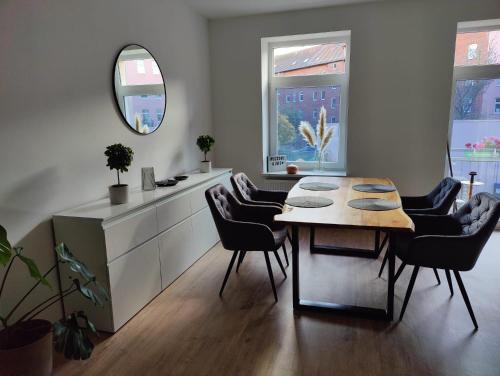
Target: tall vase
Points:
(320, 156)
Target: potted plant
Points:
(119, 158)
(205, 143)
(26, 342)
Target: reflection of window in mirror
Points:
(159, 114)
(140, 66)
(156, 69)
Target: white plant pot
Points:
(205, 166)
(118, 194)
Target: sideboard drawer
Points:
(134, 280)
(127, 233)
(173, 211)
(177, 251)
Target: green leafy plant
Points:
(120, 157)
(71, 334)
(205, 143)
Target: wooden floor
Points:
(189, 330)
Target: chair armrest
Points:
(272, 196)
(430, 224)
(247, 236)
(445, 252)
(415, 202)
(263, 214)
(265, 203)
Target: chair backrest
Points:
(478, 218)
(443, 196)
(223, 206)
(243, 187)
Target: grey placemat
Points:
(374, 204)
(318, 186)
(308, 201)
(374, 188)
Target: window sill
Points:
(282, 175)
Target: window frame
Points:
(471, 72)
(271, 83)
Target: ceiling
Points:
(232, 8)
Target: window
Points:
(140, 66)
(303, 66)
(475, 107)
(288, 98)
(159, 114)
(156, 69)
(472, 51)
(334, 103)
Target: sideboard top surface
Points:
(138, 199)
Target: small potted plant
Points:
(119, 158)
(25, 341)
(205, 143)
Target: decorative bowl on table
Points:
(167, 183)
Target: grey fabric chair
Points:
(248, 193)
(451, 242)
(245, 228)
(438, 201)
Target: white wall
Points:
(58, 113)
(400, 83)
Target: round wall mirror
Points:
(140, 89)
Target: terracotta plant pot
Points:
(118, 194)
(26, 349)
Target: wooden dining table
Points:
(340, 215)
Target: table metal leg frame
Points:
(334, 308)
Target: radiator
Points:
(279, 185)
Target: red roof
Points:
(309, 57)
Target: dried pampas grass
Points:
(307, 133)
(326, 140)
(321, 124)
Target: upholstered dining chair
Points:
(248, 193)
(245, 228)
(451, 242)
(438, 201)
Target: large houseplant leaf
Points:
(66, 257)
(72, 339)
(32, 268)
(5, 247)
(88, 293)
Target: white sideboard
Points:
(137, 249)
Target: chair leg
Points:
(279, 262)
(400, 270)
(286, 255)
(231, 263)
(408, 292)
(386, 256)
(437, 275)
(450, 283)
(270, 272)
(466, 298)
(240, 260)
(288, 236)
